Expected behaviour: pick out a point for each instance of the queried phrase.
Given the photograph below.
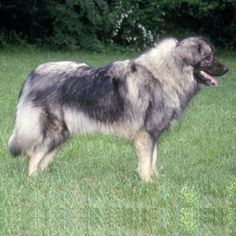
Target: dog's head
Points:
(199, 53)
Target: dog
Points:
(137, 99)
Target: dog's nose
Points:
(226, 69)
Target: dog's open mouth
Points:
(208, 79)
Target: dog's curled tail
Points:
(14, 145)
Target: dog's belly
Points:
(78, 122)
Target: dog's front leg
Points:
(144, 144)
(154, 160)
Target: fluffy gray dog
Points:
(137, 99)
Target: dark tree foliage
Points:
(214, 19)
(135, 23)
(57, 23)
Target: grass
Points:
(91, 187)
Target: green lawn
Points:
(91, 187)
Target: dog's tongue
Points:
(209, 79)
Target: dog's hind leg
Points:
(144, 145)
(55, 133)
(48, 158)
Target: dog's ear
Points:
(190, 50)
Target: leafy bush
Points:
(8, 39)
(2, 40)
(135, 23)
(76, 24)
(214, 19)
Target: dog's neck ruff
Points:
(176, 78)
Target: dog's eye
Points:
(208, 58)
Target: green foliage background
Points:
(91, 24)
